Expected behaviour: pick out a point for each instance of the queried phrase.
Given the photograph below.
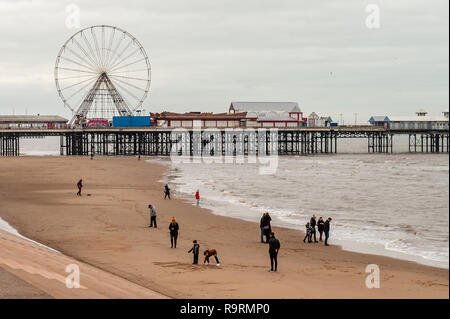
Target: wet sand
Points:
(108, 231)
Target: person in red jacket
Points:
(197, 197)
(208, 253)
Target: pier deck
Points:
(238, 141)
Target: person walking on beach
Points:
(166, 191)
(274, 247)
(197, 197)
(312, 223)
(208, 253)
(308, 233)
(326, 230)
(80, 186)
(152, 215)
(320, 226)
(195, 251)
(173, 230)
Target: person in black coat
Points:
(312, 223)
(80, 186)
(173, 230)
(195, 251)
(274, 247)
(267, 229)
(166, 191)
(320, 226)
(262, 222)
(326, 230)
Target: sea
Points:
(395, 204)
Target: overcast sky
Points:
(206, 53)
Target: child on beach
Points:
(309, 232)
(197, 197)
(208, 253)
(195, 250)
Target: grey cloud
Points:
(205, 54)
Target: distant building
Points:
(326, 121)
(421, 121)
(198, 119)
(315, 120)
(445, 113)
(418, 123)
(269, 114)
(382, 121)
(32, 122)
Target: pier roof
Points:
(418, 118)
(199, 116)
(264, 106)
(32, 118)
(379, 118)
(273, 116)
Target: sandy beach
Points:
(106, 233)
(32, 271)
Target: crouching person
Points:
(208, 253)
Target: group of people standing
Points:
(274, 243)
(174, 230)
(173, 226)
(323, 227)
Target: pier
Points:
(282, 141)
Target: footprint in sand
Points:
(178, 265)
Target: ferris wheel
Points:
(102, 71)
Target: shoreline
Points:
(6, 227)
(105, 237)
(346, 244)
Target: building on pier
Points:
(315, 120)
(418, 123)
(32, 122)
(421, 121)
(198, 119)
(380, 121)
(269, 114)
